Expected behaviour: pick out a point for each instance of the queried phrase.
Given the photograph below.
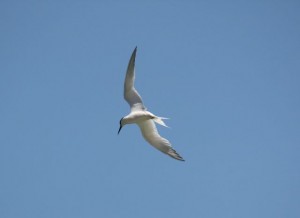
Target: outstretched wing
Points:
(130, 93)
(151, 135)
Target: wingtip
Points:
(134, 53)
(180, 158)
(132, 61)
(172, 153)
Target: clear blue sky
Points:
(227, 73)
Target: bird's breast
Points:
(137, 117)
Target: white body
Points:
(143, 118)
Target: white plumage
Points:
(143, 118)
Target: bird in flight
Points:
(143, 118)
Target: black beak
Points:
(120, 129)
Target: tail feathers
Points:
(163, 118)
(160, 121)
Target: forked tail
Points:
(160, 121)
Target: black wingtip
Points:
(132, 58)
(180, 158)
(172, 153)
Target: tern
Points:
(143, 118)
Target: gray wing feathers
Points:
(151, 135)
(130, 93)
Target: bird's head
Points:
(121, 125)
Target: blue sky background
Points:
(227, 73)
